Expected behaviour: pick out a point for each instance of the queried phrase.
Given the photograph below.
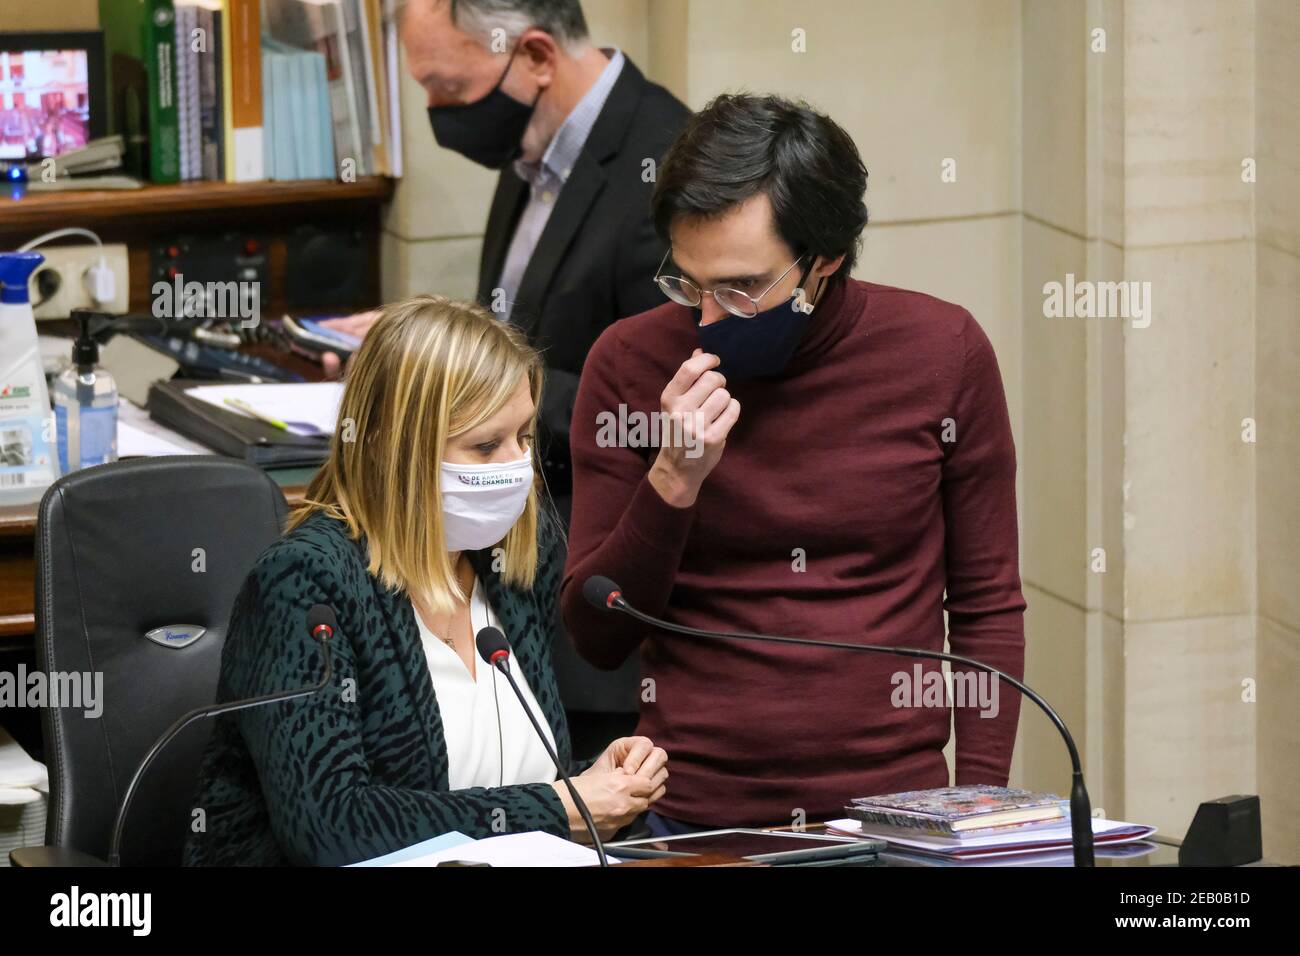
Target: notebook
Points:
(228, 432)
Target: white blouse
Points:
(477, 755)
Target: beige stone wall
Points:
(1188, 507)
(1183, 654)
(44, 15)
(1053, 453)
(1277, 408)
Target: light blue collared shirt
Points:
(547, 178)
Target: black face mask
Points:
(761, 346)
(488, 131)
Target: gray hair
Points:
(562, 19)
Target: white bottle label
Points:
(26, 454)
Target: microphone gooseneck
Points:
(495, 650)
(604, 594)
(321, 625)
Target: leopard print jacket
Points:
(360, 768)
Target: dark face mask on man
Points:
(488, 131)
(762, 345)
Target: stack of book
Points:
(974, 822)
(246, 90)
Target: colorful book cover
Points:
(242, 71)
(210, 107)
(948, 810)
(186, 62)
(324, 27)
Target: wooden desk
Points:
(704, 859)
(18, 560)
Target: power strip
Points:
(61, 280)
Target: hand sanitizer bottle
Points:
(27, 460)
(85, 405)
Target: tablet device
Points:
(777, 847)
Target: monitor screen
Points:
(48, 95)
(44, 103)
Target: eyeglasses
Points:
(685, 292)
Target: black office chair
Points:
(133, 560)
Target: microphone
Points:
(603, 593)
(321, 625)
(495, 650)
(321, 622)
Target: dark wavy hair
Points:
(740, 145)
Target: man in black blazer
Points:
(595, 260)
(569, 247)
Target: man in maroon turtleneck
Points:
(846, 472)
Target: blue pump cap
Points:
(15, 269)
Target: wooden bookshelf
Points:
(37, 211)
(265, 211)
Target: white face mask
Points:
(481, 503)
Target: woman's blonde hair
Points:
(429, 369)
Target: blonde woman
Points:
(423, 527)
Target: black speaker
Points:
(325, 268)
(1224, 832)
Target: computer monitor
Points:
(52, 96)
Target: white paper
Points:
(515, 849)
(19, 772)
(314, 402)
(423, 848)
(134, 443)
(18, 796)
(139, 436)
(1028, 838)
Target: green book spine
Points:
(159, 44)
